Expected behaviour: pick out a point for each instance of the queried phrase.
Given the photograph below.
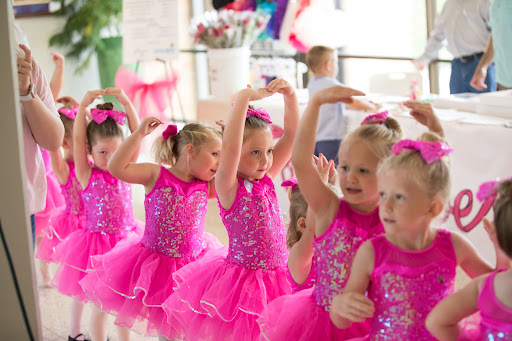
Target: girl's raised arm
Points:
(82, 166)
(283, 148)
(59, 166)
(131, 114)
(121, 165)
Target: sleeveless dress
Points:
(54, 197)
(308, 283)
(334, 251)
(406, 285)
(135, 277)
(108, 220)
(64, 220)
(220, 297)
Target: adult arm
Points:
(478, 80)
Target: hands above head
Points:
(478, 80)
(352, 306)
(120, 95)
(221, 124)
(336, 94)
(281, 86)
(255, 94)
(57, 59)
(326, 169)
(423, 112)
(91, 96)
(148, 125)
(68, 101)
(24, 71)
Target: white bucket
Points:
(229, 70)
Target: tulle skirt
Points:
(217, 300)
(61, 225)
(75, 253)
(297, 317)
(132, 282)
(54, 200)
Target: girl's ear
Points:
(89, 149)
(301, 224)
(190, 150)
(65, 143)
(436, 207)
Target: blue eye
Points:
(382, 195)
(364, 171)
(255, 152)
(215, 154)
(399, 197)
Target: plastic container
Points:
(229, 70)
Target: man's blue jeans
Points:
(462, 72)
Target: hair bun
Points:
(393, 125)
(106, 106)
(505, 189)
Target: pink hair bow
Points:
(377, 118)
(261, 113)
(430, 151)
(291, 182)
(169, 131)
(69, 112)
(99, 115)
(489, 189)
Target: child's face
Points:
(256, 158)
(102, 151)
(204, 161)
(404, 204)
(357, 173)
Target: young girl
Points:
(489, 294)
(219, 298)
(133, 279)
(341, 225)
(107, 201)
(411, 267)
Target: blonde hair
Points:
(298, 209)
(379, 138)
(434, 177)
(168, 151)
(503, 217)
(317, 56)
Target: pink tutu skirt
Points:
(217, 300)
(132, 282)
(75, 253)
(62, 224)
(279, 321)
(54, 200)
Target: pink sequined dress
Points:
(54, 196)
(406, 285)
(135, 277)
(308, 283)
(65, 220)
(108, 220)
(334, 251)
(220, 297)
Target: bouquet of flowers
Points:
(227, 28)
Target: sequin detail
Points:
(257, 236)
(108, 204)
(72, 192)
(336, 248)
(175, 216)
(406, 285)
(496, 323)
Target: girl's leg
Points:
(98, 322)
(163, 338)
(43, 267)
(77, 308)
(124, 333)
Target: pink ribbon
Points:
(99, 115)
(291, 182)
(69, 112)
(489, 189)
(147, 98)
(169, 131)
(261, 113)
(377, 118)
(430, 151)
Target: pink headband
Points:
(291, 182)
(430, 151)
(377, 118)
(99, 115)
(69, 112)
(261, 113)
(169, 131)
(489, 189)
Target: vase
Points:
(228, 70)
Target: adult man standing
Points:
(463, 24)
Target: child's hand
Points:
(255, 94)
(119, 94)
(221, 124)
(324, 167)
(423, 112)
(353, 306)
(57, 59)
(148, 125)
(90, 96)
(68, 101)
(336, 94)
(281, 86)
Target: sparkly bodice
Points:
(336, 247)
(496, 321)
(73, 194)
(175, 215)
(108, 204)
(406, 285)
(257, 237)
